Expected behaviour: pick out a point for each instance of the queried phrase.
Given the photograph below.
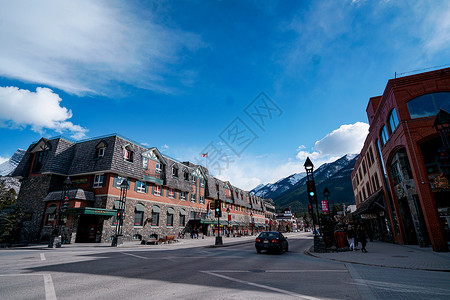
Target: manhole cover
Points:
(400, 256)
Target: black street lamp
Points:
(319, 244)
(118, 237)
(229, 219)
(218, 213)
(252, 222)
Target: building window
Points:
(193, 197)
(51, 215)
(128, 153)
(118, 181)
(100, 152)
(182, 220)
(98, 180)
(157, 190)
(186, 175)
(393, 120)
(384, 135)
(170, 213)
(202, 182)
(39, 159)
(182, 195)
(158, 168)
(145, 163)
(202, 199)
(174, 171)
(155, 215)
(395, 173)
(428, 105)
(171, 193)
(140, 187)
(139, 215)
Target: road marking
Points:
(276, 271)
(361, 284)
(42, 256)
(50, 293)
(180, 257)
(138, 256)
(261, 286)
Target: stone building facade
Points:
(163, 196)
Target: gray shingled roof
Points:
(78, 194)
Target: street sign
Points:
(325, 206)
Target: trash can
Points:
(341, 238)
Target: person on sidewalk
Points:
(361, 233)
(351, 233)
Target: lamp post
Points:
(118, 238)
(319, 245)
(326, 193)
(218, 209)
(251, 220)
(229, 219)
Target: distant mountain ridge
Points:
(335, 176)
(10, 165)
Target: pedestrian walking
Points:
(351, 234)
(362, 237)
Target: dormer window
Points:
(100, 149)
(186, 175)
(174, 171)
(128, 153)
(145, 163)
(39, 159)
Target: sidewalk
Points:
(392, 255)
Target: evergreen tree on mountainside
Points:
(10, 217)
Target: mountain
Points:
(335, 176)
(10, 165)
(272, 190)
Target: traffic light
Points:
(311, 188)
(65, 204)
(310, 210)
(444, 159)
(218, 209)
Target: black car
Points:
(271, 241)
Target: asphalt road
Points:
(235, 272)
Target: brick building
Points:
(398, 184)
(164, 196)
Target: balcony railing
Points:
(153, 176)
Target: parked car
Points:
(271, 241)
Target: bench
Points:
(150, 241)
(168, 239)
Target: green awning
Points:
(182, 212)
(170, 210)
(51, 209)
(156, 209)
(118, 204)
(91, 211)
(140, 207)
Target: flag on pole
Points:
(205, 154)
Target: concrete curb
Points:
(310, 253)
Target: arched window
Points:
(393, 120)
(51, 214)
(170, 214)
(128, 153)
(155, 215)
(428, 105)
(384, 135)
(139, 215)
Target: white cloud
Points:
(88, 46)
(247, 172)
(41, 110)
(3, 159)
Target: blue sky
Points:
(262, 83)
